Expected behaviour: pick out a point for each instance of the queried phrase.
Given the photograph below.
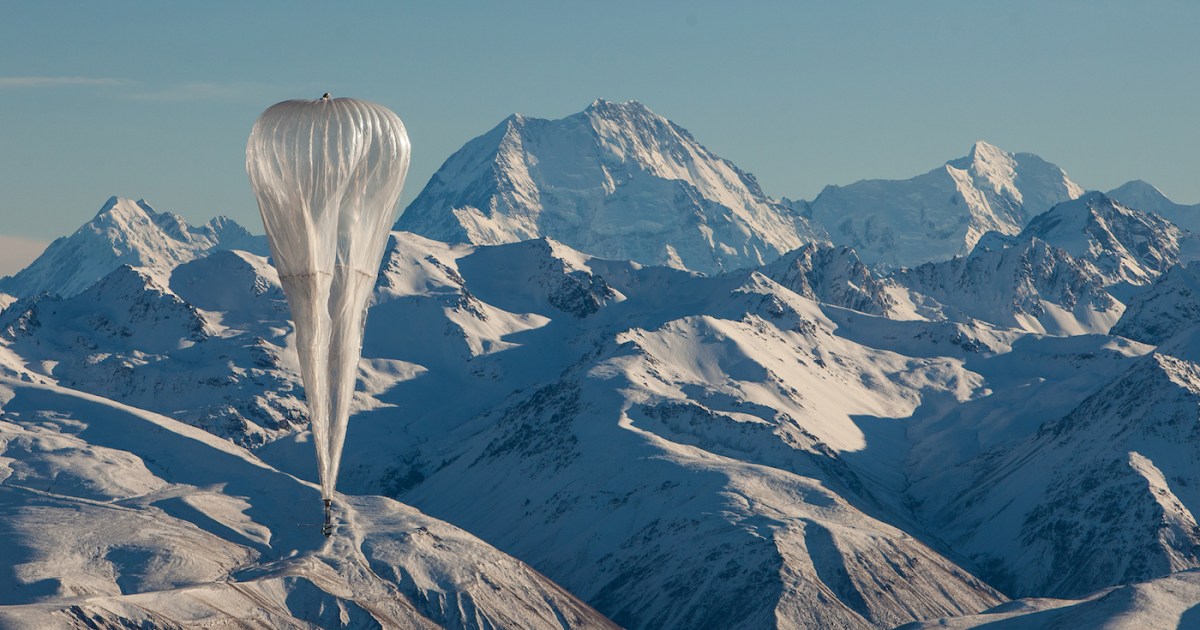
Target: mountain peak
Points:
(1091, 206)
(1139, 185)
(1092, 200)
(109, 205)
(124, 232)
(1128, 246)
(944, 212)
(987, 152)
(992, 164)
(615, 181)
(1141, 194)
(833, 275)
(632, 118)
(1021, 283)
(122, 207)
(602, 105)
(1145, 196)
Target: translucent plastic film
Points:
(327, 174)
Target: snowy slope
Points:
(1165, 603)
(1144, 196)
(943, 213)
(796, 443)
(116, 517)
(1168, 307)
(1126, 246)
(124, 232)
(129, 338)
(1018, 282)
(673, 457)
(694, 468)
(677, 450)
(1102, 496)
(616, 181)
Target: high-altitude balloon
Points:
(327, 174)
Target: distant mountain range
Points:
(943, 213)
(607, 381)
(125, 232)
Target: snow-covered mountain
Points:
(798, 443)
(1144, 196)
(125, 232)
(1114, 474)
(616, 181)
(943, 213)
(116, 517)
(1060, 274)
(833, 275)
(218, 360)
(1167, 308)
(691, 427)
(1018, 282)
(703, 393)
(1126, 246)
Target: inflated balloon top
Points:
(327, 174)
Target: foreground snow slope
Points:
(616, 180)
(1163, 604)
(677, 450)
(119, 517)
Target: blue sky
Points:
(155, 99)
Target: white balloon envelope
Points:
(327, 174)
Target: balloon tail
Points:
(327, 528)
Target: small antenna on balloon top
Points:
(325, 97)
